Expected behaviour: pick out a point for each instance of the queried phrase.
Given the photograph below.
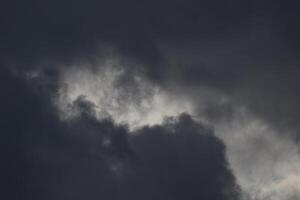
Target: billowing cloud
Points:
(71, 69)
(118, 93)
(94, 158)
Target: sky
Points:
(138, 100)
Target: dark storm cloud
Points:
(45, 158)
(172, 152)
(247, 50)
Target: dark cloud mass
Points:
(236, 62)
(45, 158)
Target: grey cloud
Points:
(220, 55)
(45, 158)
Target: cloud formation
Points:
(91, 158)
(231, 65)
(119, 93)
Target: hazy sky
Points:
(170, 100)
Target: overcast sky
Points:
(166, 100)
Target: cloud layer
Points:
(105, 65)
(46, 158)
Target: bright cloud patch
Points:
(117, 93)
(266, 165)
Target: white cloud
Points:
(123, 95)
(264, 161)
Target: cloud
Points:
(187, 159)
(260, 157)
(46, 158)
(232, 65)
(118, 92)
